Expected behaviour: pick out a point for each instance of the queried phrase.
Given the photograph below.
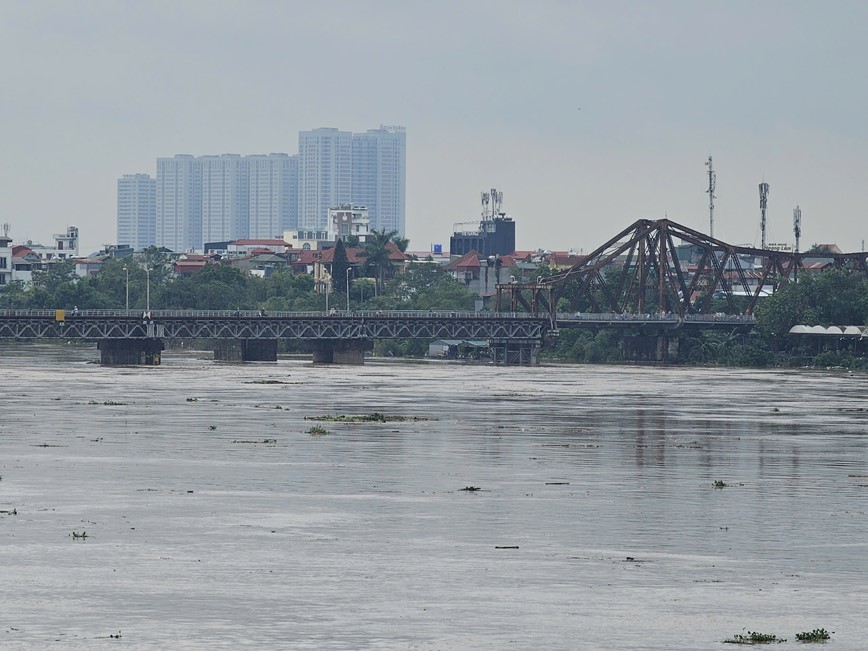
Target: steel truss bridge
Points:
(195, 324)
(641, 271)
(336, 337)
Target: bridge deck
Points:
(198, 324)
(205, 324)
(658, 321)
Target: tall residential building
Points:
(379, 163)
(179, 203)
(137, 211)
(223, 203)
(324, 175)
(272, 194)
(227, 197)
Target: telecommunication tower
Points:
(797, 225)
(495, 199)
(712, 183)
(764, 202)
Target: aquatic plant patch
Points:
(817, 635)
(375, 417)
(753, 637)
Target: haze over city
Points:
(587, 115)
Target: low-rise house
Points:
(480, 275)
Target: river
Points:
(215, 520)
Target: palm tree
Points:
(376, 254)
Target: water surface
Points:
(215, 521)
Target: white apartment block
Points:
(348, 220)
(324, 175)
(222, 198)
(272, 194)
(65, 246)
(379, 176)
(228, 197)
(5, 260)
(137, 211)
(222, 201)
(179, 203)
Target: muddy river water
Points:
(215, 520)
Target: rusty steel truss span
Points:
(104, 324)
(642, 269)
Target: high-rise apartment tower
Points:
(324, 175)
(137, 211)
(379, 176)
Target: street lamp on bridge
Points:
(147, 289)
(127, 273)
(349, 269)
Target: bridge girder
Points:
(639, 270)
(201, 326)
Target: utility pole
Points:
(797, 231)
(797, 225)
(712, 183)
(764, 202)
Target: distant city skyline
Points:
(489, 92)
(195, 200)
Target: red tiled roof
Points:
(354, 255)
(188, 266)
(395, 255)
(308, 256)
(469, 260)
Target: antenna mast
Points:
(712, 183)
(797, 225)
(764, 202)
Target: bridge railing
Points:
(665, 317)
(247, 314)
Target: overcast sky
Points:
(586, 115)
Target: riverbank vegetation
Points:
(829, 298)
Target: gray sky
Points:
(489, 92)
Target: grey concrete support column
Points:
(661, 349)
(259, 350)
(228, 350)
(130, 352)
(340, 351)
(515, 352)
(245, 350)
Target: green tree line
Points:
(423, 286)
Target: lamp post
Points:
(127, 273)
(147, 289)
(349, 269)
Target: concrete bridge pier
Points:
(660, 348)
(245, 350)
(340, 351)
(130, 352)
(515, 352)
